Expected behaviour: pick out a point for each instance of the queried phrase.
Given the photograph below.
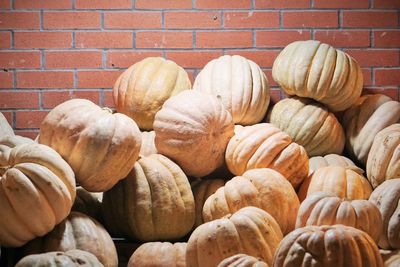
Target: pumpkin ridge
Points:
(319, 126)
(304, 89)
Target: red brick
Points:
(280, 38)
(29, 119)
(251, 19)
(104, 40)
(124, 59)
(271, 81)
(387, 38)
(221, 4)
(192, 59)
(132, 20)
(108, 99)
(386, 4)
(42, 39)
(392, 92)
(164, 39)
(73, 59)
(342, 38)
(387, 77)
(264, 58)
(6, 80)
(18, 99)
(50, 99)
(282, 4)
(45, 79)
(32, 134)
(275, 96)
(19, 20)
(5, 4)
(43, 4)
(191, 75)
(190, 20)
(225, 39)
(5, 39)
(12, 60)
(367, 75)
(306, 19)
(71, 20)
(370, 19)
(97, 79)
(341, 4)
(104, 4)
(162, 4)
(368, 58)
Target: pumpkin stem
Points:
(107, 109)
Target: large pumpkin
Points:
(240, 84)
(327, 246)
(309, 124)
(242, 260)
(159, 254)
(7, 142)
(5, 128)
(101, 147)
(250, 230)
(142, 89)
(368, 115)
(154, 202)
(265, 146)
(37, 189)
(318, 162)
(263, 188)
(148, 146)
(316, 70)
(384, 157)
(193, 129)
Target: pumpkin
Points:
(77, 231)
(265, 146)
(154, 202)
(332, 160)
(37, 189)
(242, 260)
(250, 230)
(88, 203)
(193, 129)
(60, 259)
(240, 84)
(384, 157)
(5, 128)
(7, 142)
(343, 182)
(386, 197)
(328, 246)
(321, 208)
(310, 125)
(142, 89)
(101, 147)
(316, 70)
(159, 254)
(148, 146)
(362, 121)
(263, 188)
(390, 258)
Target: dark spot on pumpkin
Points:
(80, 261)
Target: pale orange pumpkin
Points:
(242, 260)
(159, 254)
(318, 162)
(148, 146)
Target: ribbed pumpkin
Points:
(391, 258)
(265, 146)
(318, 162)
(193, 129)
(263, 188)
(240, 84)
(309, 124)
(343, 182)
(250, 230)
(159, 254)
(7, 142)
(387, 197)
(70, 258)
(154, 202)
(101, 147)
(142, 89)
(322, 208)
(316, 70)
(384, 157)
(37, 189)
(5, 128)
(368, 115)
(88, 203)
(242, 260)
(148, 146)
(327, 246)
(77, 231)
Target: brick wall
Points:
(53, 50)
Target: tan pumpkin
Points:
(316, 70)
(391, 258)
(250, 230)
(101, 147)
(309, 124)
(332, 160)
(69, 258)
(263, 188)
(240, 84)
(154, 202)
(362, 121)
(88, 203)
(159, 254)
(384, 157)
(77, 231)
(265, 146)
(142, 89)
(387, 198)
(37, 189)
(242, 260)
(321, 208)
(193, 129)
(7, 142)
(5, 128)
(328, 246)
(343, 182)
(148, 146)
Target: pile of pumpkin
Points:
(242, 187)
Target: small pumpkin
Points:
(5, 128)
(88, 203)
(390, 258)
(159, 254)
(318, 162)
(148, 146)
(242, 260)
